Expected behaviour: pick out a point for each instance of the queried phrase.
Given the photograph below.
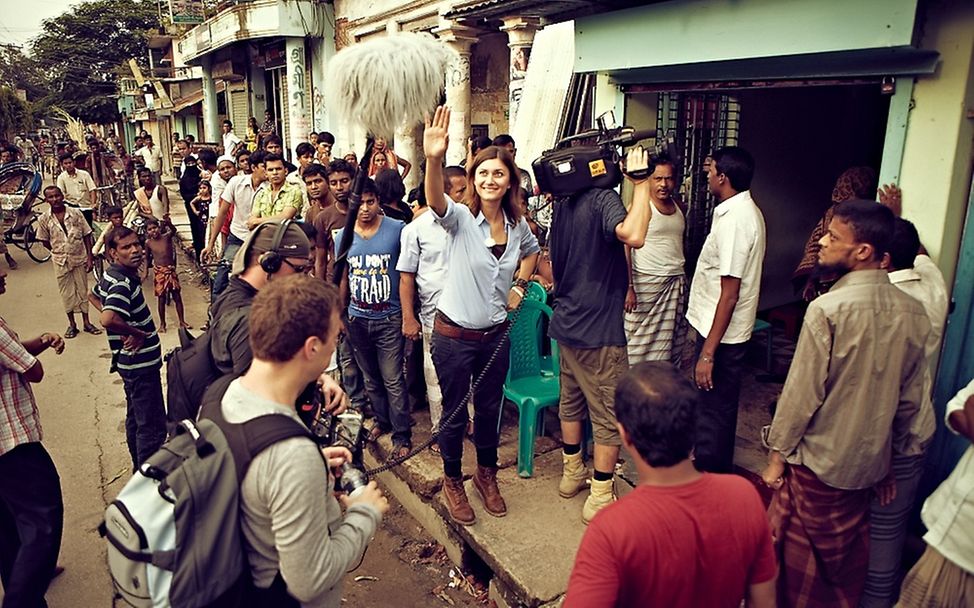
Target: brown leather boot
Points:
(485, 481)
(456, 501)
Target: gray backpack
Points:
(173, 531)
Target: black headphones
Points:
(271, 260)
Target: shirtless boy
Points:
(162, 256)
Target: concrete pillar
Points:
(460, 39)
(298, 109)
(520, 37)
(409, 145)
(211, 123)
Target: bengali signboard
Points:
(186, 11)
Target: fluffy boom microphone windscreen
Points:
(379, 85)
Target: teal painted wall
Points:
(673, 33)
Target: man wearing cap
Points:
(229, 341)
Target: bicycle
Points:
(20, 183)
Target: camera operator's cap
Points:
(294, 244)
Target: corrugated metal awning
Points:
(896, 61)
(553, 10)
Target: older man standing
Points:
(847, 410)
(724, 302)
(67, 235)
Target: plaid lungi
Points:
(657, 329)
(165, 279)
(821, 537)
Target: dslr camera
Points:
(574, 166)
(342, 430)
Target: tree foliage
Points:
(81, 53)
(14, 113)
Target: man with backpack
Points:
(299, 546)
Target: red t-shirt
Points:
(699, 544)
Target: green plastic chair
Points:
(537, 293)
(528, 385)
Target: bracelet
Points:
(516, 289)
(706, 359)
(519, 282)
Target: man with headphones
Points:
(274, 249)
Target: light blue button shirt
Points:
(477, 283)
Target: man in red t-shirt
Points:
(681, 538)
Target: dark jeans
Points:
(198, 229)
(31, 521)
(458, 363)
(352, 375)
(377, 344)
(145, 414)
(222, 277)
(717, 413)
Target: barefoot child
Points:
(162, 256)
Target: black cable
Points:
(505, 339)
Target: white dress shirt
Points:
(926, 284)
(423, 252)
(734, 248)
(240, 192)
(949, 512)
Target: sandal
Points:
(435, 448)
(374, 433)
(91, 329)
(400, 450)
(72, 332)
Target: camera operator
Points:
(588, 234)
(299, 546)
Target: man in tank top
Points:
(657, 297)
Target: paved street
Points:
(82, 411)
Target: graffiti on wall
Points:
(520, 56)
(459, 71)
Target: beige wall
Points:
(937, 155)
(489, 77)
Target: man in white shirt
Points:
(151, 157)
(944, 576)
(724, 303)
(239, 193)
(916, 275)
(422, 267)
(76, 184)
(231, 143)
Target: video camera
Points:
(568, 169)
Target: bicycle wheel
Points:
(35, 250)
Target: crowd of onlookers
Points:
(651, 359)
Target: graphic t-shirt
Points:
(373, 281)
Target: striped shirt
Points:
(121, 293)
(19, 420)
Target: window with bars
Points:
(699, 123)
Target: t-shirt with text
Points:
(373, 281)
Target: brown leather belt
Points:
(447, 328)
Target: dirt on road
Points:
(82, 409)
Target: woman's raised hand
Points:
(436, 137)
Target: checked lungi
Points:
(165, 279)
(657, 329)
(821, 537)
